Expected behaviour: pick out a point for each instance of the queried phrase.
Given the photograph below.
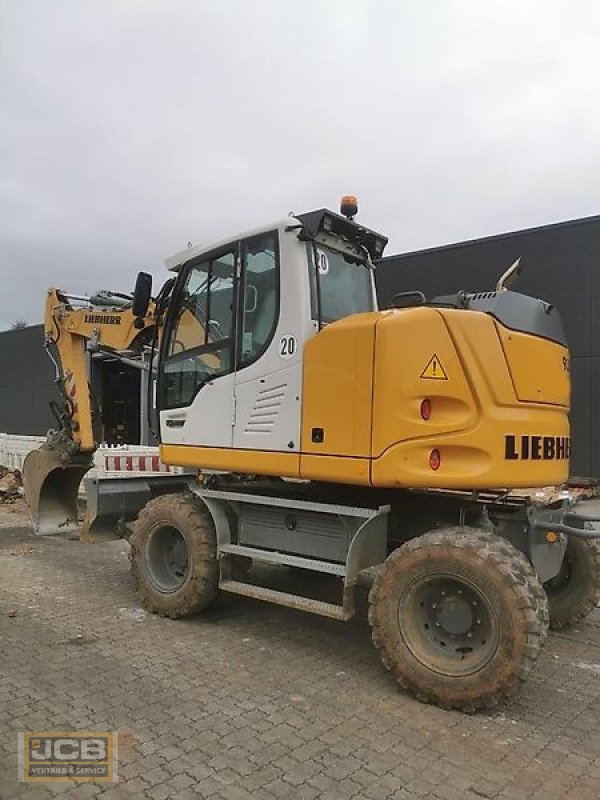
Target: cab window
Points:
(260, 296)
(339, 287)
(220, 326)
(200, 341)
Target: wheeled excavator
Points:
(320, 433)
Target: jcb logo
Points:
(60, 749)
(67, 756)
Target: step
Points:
(288, 560)
(284, 599)
(286, 502)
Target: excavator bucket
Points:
(51, 482)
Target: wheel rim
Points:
(167, 561)
(448, 625)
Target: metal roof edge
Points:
(495, 237)
(26, 328)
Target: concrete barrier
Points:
(13, 449)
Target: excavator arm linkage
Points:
(52, 474)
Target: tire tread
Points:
(518, 577)
(202, 586)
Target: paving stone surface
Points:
(251, 700)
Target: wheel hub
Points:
(447, 624)
(455, 615)
(167, 560)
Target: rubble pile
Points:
(11, 485)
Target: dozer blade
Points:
(109, 504)
(112, 504)
(51, 482)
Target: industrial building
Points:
(26, 382)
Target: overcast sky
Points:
(130, 127)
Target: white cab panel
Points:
(269, 391)
(208, 420)
(267, 411)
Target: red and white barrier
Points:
(125, 460)
(133, 462)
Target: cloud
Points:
(131, 128)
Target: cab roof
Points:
(175, 262)
(309, 225)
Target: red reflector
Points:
(426, 409)
(435, 459)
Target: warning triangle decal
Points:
(434, 370)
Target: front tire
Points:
(459, 617)
(575, 591)
(174, 556)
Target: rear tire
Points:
(575, 591)
(459, 618)
(174, 556)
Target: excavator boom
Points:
(75, 327)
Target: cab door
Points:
(269, 369)
(197, 376)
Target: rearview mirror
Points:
(142, 294)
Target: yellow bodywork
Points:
(70, 330)
(52, 473)
(495, 383)
(498, 402)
